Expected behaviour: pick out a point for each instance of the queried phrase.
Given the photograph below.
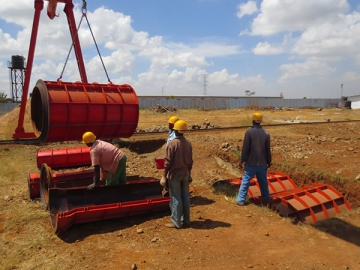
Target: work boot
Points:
(170, 225)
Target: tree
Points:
(281, 95)
(3, 98)
(304, 97)
(249, 93)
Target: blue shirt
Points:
(171, 136)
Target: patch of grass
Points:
(238, 154)
(226, 189)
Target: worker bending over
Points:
(109, 161)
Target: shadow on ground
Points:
(340, 229)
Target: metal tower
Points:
(17, 76)
(205, 83)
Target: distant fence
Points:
(217, 103)
(234, 102)
(7, 107)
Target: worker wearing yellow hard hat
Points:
(109, 161)
(172, 120)
(256, 155)
(177, 173)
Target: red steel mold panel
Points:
(61, 179)
(63, 111)
(67, 179)
(34, 185)
(277, 182)
(310, 203)
(64, 158)
(79, 205)
(63, 221)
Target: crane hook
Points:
(84, 8)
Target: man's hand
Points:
(190, 179)
(241, 164)
(90, 187)
(268, 165)
(163, 181)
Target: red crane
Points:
(51, 12)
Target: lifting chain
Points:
(84, 11)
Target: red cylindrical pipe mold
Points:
(62, 111)
(64, 158)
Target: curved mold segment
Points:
(79, 205)
(67, 179)
(277, 182)
(46, 182)
(310, 203)
(62, 111)
(64, 158)
(34, 185)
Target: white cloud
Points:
(264, 48)
(248, 8)
(307, 68)
(331, 39)
(351, 76)
(277, 15)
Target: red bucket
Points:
(160, 163)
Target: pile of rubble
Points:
(163, 109)
(205, 125)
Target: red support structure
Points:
(39, 5)
(19, 131)
(68, 9)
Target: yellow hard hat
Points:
(88, 137)
(257, 117)
(173, 119)
(180, 125)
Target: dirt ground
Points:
(222, 235)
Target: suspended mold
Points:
(65, 111)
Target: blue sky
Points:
(294, 47)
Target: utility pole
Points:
(205, 83)
(342, 88)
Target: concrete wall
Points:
(7, 107)
(234, 102)
(215, 103)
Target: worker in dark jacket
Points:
(178, 165)
(256, 155)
